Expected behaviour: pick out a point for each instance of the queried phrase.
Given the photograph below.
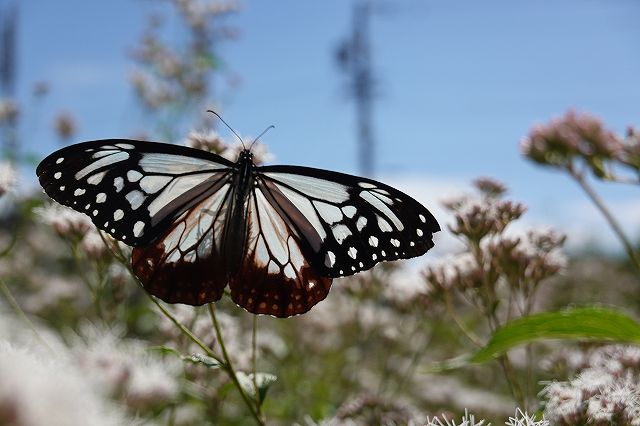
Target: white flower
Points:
(8, 177)
(64, 220)
(258, 149)
(38, 390)
(564, 402)
(124, 368)
(523, 419)
(8, 111)
(92, 244)
(466, 420)
(207, 141)
(51, 291)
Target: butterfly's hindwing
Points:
(275, 277)
(186, 264)
(131, 189)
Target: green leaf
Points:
(205, 360)
(576, 323)
(592, 323)
(263, 382)
(166, 350)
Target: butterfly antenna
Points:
(260, 135)
(230, 128)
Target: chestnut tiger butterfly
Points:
(197, 222)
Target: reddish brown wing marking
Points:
(275, 277)
(185, 265)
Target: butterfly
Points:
(197, 222)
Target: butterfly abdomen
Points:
(234, 237)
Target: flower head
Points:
(65, 221)
(8, 177)
(573, 136)
(207, 141)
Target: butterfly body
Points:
(236, 225)
(276, 235)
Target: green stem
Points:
(470, 334)
(228, 366)
(254, 345)
(617, 229)
(18, 310)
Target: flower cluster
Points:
(8, 177)
(493, 255)
(605, 390)
(9, 111)
(179, 75)
(579, 136)
(124, 370)
(37, 389)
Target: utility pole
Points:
(9, 112)
(354, 57)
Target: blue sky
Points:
(460, 83)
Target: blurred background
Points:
(425, 95)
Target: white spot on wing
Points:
(57, 175)
(101, 197)
(262, 254)
(104, 153)
(133, 175)
(138, 228)
(340, 232)
(330, 213)
(373, 241)
(395, 242)
(384, 225)
(105, 161)
(153, 184)
(79, 191)
(289, 272)
(177, 187)
(171, 163)
(96, 178)
(382, 207)
(135, 198)
(295, 255)
(422, 218)
(366, 185)
(349, 211)
(59, 160)
(313, 187)
(419, 232)
(330, 259)
(361, 223)
(352, 252)
(273, 228)
(273, 268)
(117, 215)
(125, 146)
(305, 207)
(118, 183)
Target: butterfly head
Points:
(245, 156)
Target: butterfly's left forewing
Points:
(131, 189)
